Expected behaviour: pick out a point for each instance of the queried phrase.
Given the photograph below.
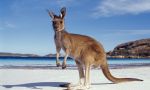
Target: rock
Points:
(133, 49)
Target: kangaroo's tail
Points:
(109, 76)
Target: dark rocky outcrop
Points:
(133, 49)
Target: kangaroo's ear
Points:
(63, 12)
(51, 14)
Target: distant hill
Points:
(133, 49)
(52, 55)
(18, 55)
(4, 54)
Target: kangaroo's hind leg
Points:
(87, 76)
(84, 82)
(81, 77)
(81, 73)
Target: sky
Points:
(25, 26)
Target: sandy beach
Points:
(50, 79)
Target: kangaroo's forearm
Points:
(64, 62)
(58, 48)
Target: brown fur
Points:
(85, 50)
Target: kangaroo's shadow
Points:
(95, 84)
(36, 85)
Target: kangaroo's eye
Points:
(54, 22)
(61, 22)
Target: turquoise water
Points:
(31, 61)
(70, 62)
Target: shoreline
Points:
(73, 67)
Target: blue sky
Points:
(25, 26)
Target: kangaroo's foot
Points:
(64, 65)
(78, 87)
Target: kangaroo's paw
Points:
(64, 65)
(58, 64)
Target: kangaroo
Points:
(85, 50)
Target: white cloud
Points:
(7, 25)
(127, 32)
(108, 8)
(139, 32)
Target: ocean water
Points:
(51, 62)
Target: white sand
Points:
(27, 79)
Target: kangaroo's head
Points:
(58, 21)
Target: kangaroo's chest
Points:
(69, 44)
(62, 40)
